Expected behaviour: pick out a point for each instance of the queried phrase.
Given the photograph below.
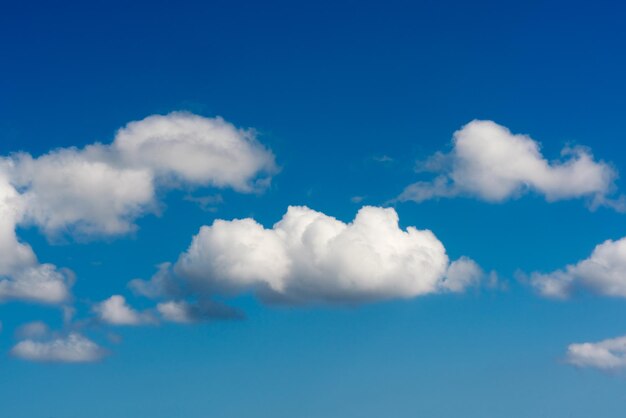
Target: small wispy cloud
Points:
(73, 348)
(382, 159)
(208, 203)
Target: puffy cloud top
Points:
(604, 272)
(101, 189)
(489, 162)
(309, 256)
(81, 190)
(194, 149)
(116, 311)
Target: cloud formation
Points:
(195, 150)
(607, 355)
(489, 162)
(603, 272)
(100, 190)
(311, 257)
(73, 348)
(22, 277)
(116, 311)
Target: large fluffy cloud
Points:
(73, 348)
(603, 272)
(195, 150)
(101, 189)
(606, 355)
(489, 162)
(81, 191)
(312, 257)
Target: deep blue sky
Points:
(329, 86)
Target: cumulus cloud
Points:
(13, 254)
(81, 191)
(312, 257)
(196, 150)
(116, 311)
(175, 311)
(603, 272)
(100, 190)
(22, 277)
(607, 355)
(42, 283)
(489, 162)
(73, 348)
(461, 274)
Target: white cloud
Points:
(13, 254)
(74, 348)
(42, 283)
(461, 274)
(604, 272)
(606, 355)
(21, 275)
(491, 163)
(175, 311)
(84, 190)
(116, 311)
(195, 150)
(100, 190)
(311, 257)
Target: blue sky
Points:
(337, 103)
